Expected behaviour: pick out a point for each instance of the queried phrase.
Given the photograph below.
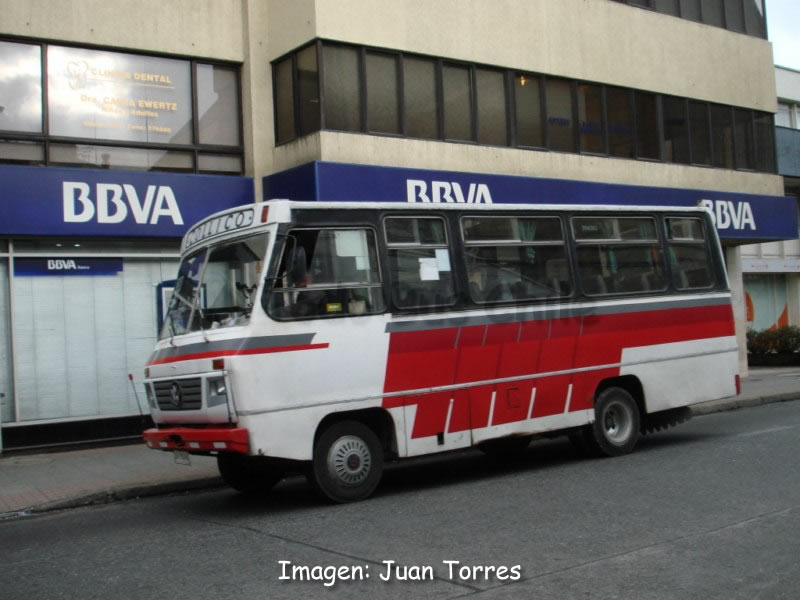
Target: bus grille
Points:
(179, 394)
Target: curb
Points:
(736, 403)
(142, 490)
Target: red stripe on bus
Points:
(245, 352)
(448, 356)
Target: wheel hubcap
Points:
(349, 460)
(617, 422)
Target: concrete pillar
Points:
(733, 258)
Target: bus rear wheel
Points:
(348, 462)
(615, 430)
(249, 474)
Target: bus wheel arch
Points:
(348, 455)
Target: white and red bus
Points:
(330, 338)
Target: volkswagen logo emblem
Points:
(176, 395)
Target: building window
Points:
(668, 7)
(734, 15)
(457, 103)
(113, 96)
(528, 106)
(218, 106)
(690, 9)
(385, 92)
(646, 126)
(676, 130)
(743, 16)
(490, 98)
(713, 13)
(591, 118)
(701, 133)
(620, 122)
(754, 21)
(104, 109)
(383, 108)
(284, 101)
(560, 122)
(21, 87)
(308, 90)
(765, 143)
(722, 136)
(784, 116)
(341, 89)
(744, 142)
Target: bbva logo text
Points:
(727, 214)
(112, 203)
(446, 191)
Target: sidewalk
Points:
(57, 480)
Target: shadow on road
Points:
(426, 473)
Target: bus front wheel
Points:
(249, 474)
(615, 430)
(348, 462)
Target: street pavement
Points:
(34, 483)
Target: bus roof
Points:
(237, 220)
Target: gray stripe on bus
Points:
(543, 314)
(269, 341)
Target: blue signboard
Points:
(60, 266)
(87, 202)
(745, 217)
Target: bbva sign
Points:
(728, 214)
(112, 203)
(447, 191)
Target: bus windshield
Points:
(216, 286)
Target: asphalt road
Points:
(710, 509)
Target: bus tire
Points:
(348, 462)
(249, 474)
(615, 430)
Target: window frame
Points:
(397, 246)
(622, 243)
(704, 243)
(195, 148)
(277, 261)
(517, 243)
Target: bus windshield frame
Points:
(217, 286)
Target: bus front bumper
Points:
(189, 439)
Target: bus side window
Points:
(688, 254)
(618, 255)
(515, 259)
(326, 273)
(419, 262)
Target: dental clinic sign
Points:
(78, 202)
(745, 217)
